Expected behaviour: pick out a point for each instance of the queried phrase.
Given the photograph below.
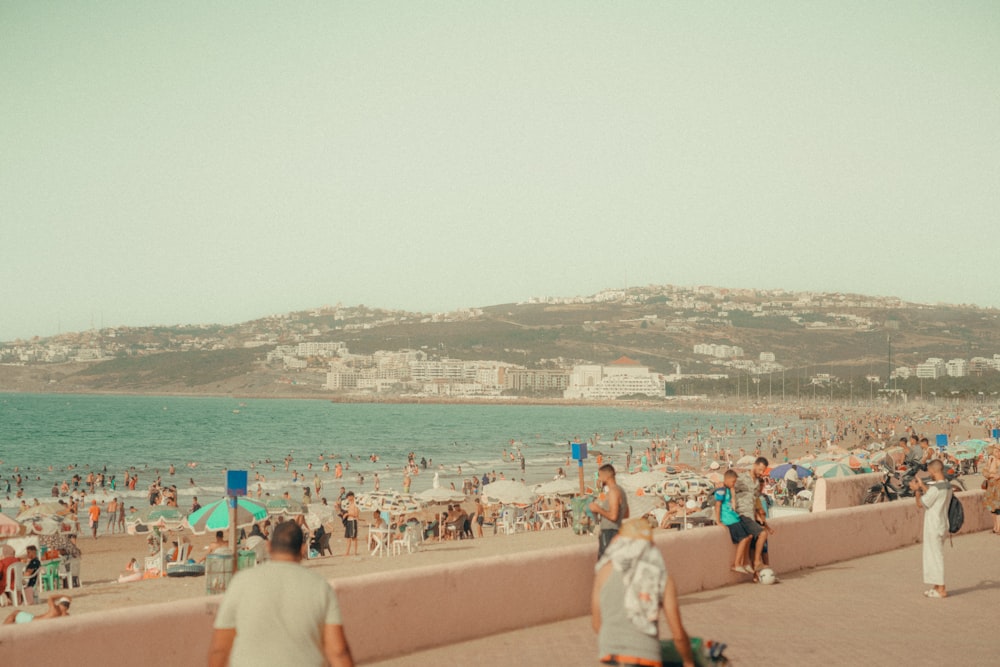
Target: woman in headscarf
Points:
(991, 483)
(630, 589)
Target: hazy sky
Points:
(170, 162)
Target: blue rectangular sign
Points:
(579, 450)
(942, 440)
(236, 482)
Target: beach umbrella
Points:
(508, 492)
(283, 506)
(779, 471)
(831, 470)
(640, 480)
(642, 505)
(745, 461)
(43, 509)
(975, 445)
(439, 495)
(163, 517)
(557, 487)
(715, 477)
(48, 525)
(215, 516)
(852, 462)
(961, 453)
(9, 527)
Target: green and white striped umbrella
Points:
(215, 516)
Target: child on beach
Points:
(725, 515)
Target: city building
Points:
(622, 377)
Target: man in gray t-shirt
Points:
(280, 613)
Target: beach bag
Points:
(706, 653)
(956, 515)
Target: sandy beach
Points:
(105, 558)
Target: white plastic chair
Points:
(505, 524)
(70, 572)
(408, 539)
(14, 585)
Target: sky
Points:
(187, 162)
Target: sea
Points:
(46, 438)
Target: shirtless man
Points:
(612, 510)
(112, 515)
(351, 524)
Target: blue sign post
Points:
(579, 453)
(236, 486)
(942, 440)
(996, 434)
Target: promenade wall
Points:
(841, 492)
(395, 613)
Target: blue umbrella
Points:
(779, 471)
(215, 516)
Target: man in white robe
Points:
(933, 499)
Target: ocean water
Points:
(41, 435)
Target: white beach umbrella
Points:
(558, 487)
(508, 492)
(641, 480)
(439, 495)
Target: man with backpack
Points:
(934, 500)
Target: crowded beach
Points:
(89, 544)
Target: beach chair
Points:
(50, 574)
(153, 567)
(14, 586)
(69, 573)
(505, 524)
(409, 539)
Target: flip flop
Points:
(932, 593)
(737, 569)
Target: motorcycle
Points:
(884, 491)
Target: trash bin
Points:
(246, 559)
(218, 572)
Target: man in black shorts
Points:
(746, 491)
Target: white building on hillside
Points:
(931, 369)
(623, 377)
(957, 368)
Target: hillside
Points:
(845, 336)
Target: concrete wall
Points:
(389, 614)
(841, 492)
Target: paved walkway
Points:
(868, 611)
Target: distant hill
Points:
(846, 336)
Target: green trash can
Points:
(218, 572)
(246, 560)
